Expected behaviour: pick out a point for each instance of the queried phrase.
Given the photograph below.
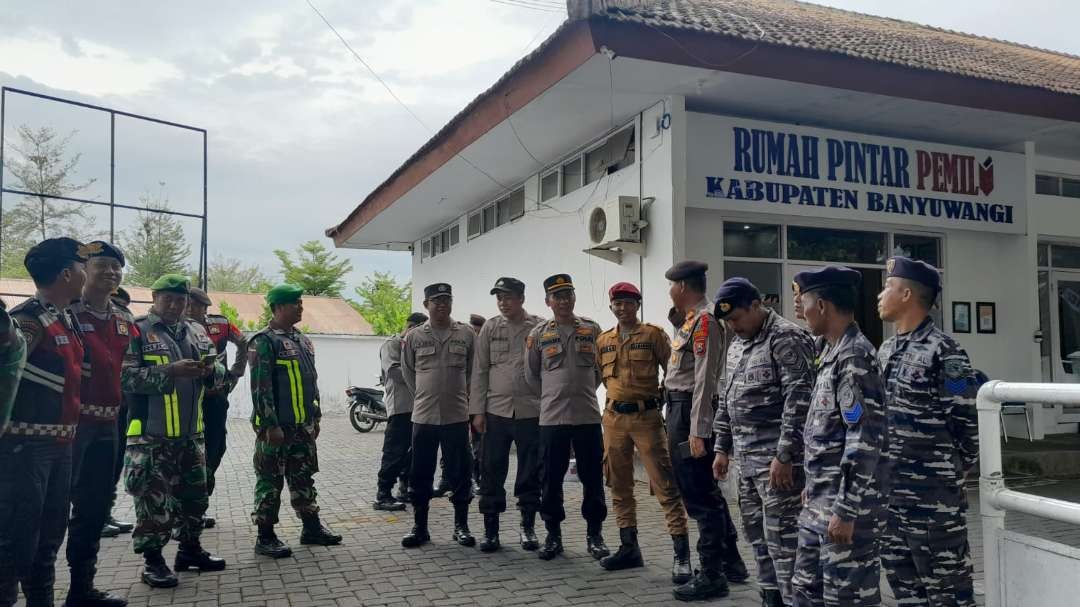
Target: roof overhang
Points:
(568, 72)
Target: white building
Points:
(764, 137)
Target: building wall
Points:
(549, 240)
(341, 360)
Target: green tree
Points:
(40, 164)
(228, 311)
(230, 275)
(316, 269)
(384, 303)
(155, 245)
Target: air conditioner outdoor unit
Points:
(615, 227)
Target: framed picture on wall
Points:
(961, 317)
(986, 315)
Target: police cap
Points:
(912, 269)
(200, 296)
(439, 289)
(176, 283)
(100, 248)
(686, 269)
(624, 290)
(736, 292)
(508, 285)
(558, 282)
(50, 256)
(812, 280)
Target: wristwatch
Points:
(784, 457)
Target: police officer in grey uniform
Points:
(761, 415)
(397, 437)
(691, 388)
(505, 409)
(436, 363)
(933, 444)
(562, 367)
(846, 475)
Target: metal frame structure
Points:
(112, 204)
(994, 498)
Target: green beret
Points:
(284, 294)
(177, 283)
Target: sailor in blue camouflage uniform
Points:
(933, 443)
(844, 510)
(761, 415)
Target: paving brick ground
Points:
(370, 567)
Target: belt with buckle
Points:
(620, 406)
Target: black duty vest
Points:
(295, 380)
(177, 414)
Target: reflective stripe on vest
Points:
(296, 389)
(172, 401)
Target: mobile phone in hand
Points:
(209, 359)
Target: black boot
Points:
(156, 573)
(491, 533)
(594, 542)
(83, 594)
(123, 526)
(552, 543)
(208, 522)
(108, 530)
(462, 535)
(772, 598)
(419, 534)
(385, 501)
(628, 555)
(681, 571)
(529, 541)
(316, 533)
(706, 584)
(192, 556)
(269, 545)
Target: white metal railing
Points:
(994, 498)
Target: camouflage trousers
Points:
(771, 521)
(296, 461)
(832, 575)
(167, 479)
(928, 562)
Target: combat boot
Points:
(529, 541)
(192, 556)
(462, 535)
(122, 526)
(317, 534)
(208, 522)
(594, 542)
(490, 542)
(385, 501)
(552, 543)
(772, 598)
(706, 584)
(269, 545)
(83, 594)
(681, 571)
(628, 555)
(156, 573)
(419, 534)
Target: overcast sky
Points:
(299, 132)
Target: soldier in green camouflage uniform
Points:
(285, 415)
(169, 365)
(12, 359)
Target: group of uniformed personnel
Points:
(76, 367)
(846, 458)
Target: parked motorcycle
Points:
(366, 408)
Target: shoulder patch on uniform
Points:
(853, 414)
(953, 368)
(701, 338)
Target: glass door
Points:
(1065, 326)
(866, 313)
